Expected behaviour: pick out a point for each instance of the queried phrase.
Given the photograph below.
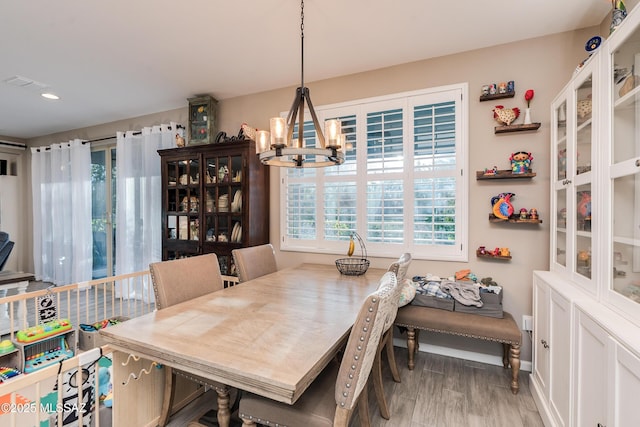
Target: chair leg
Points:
(363, 407)
(376, 372)
(514, 360)
(224, 414)
(168, 396)
(391, 356)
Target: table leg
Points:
(224, 414)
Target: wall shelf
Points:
(496, 96)
(489, 255)
(514, 219)
(516, 128)
(505, 174)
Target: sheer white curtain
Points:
(139, 198)
(61, 188)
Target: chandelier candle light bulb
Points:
(263, 140)
(278, 132)
(332, 132)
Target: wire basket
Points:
(354, 266)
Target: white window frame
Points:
(407, 100)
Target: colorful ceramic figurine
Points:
(533, 213)
(502, 207)
(520, 162)
(524, 214)
(492, 171)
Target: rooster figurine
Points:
(506, 115)
(502, 207)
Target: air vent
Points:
(18, 81)
(26, 83)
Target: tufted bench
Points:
(505, 331)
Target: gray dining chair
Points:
(180, 280)
(254, 261)
(332, 397)
(399, 268)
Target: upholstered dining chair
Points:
(254, 261)
(180, 280)
(400, 268)
(331, 399)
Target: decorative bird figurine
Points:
(502, 207)
(506, 115)
(179, 140)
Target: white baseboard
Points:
(490, 359)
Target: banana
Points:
(352, 246)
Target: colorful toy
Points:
(44, 330)
(6, 346)
(524, 214)
(7, 373)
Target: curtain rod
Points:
(114, 137)
(110, 137)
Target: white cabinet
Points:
(624, 386)
(551, 353)
(590, 300)
(590, 383)
(607, 381)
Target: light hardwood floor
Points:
(441, 391)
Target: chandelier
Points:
(277, 147)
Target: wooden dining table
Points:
(270, 336)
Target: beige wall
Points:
(543, 64)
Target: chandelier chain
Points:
(302, 43)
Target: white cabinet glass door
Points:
(624, 174)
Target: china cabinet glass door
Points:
(582, 196)
(623, 276)
(559, 255)
(573, 135)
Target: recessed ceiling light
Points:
(50, 96)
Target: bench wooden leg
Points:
(411, 347)
(514, 360)
(505, 355)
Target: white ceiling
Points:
(117, 59)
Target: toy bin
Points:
(88, 339)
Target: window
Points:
(402, 187)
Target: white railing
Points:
(85, 302)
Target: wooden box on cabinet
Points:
(215, 198)
(203, 120)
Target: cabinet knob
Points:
(544, 343)
(638, 162)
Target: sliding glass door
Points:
(103, 211)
